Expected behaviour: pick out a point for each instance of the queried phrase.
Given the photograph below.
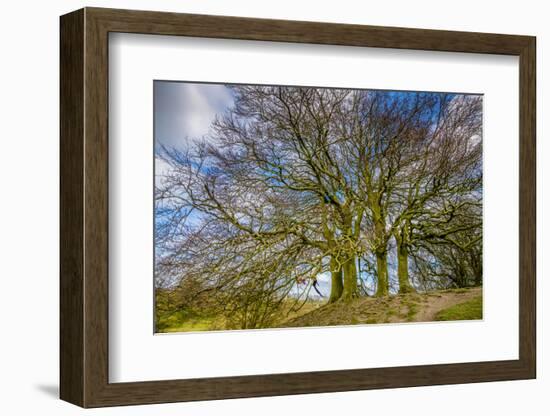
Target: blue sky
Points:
(185, 110)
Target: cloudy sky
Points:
(186, 110)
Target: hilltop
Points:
(453, 304)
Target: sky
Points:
(186, 110)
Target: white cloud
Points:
(186, 110)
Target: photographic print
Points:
(292, 206)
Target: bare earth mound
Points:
(412, 307)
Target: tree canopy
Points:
(294, 182)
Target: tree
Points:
(442, 175)
(293, 182)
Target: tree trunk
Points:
(382, 273)
(403, 269)
(381, 252)
(350, 280)
(336, 284)
(477, 280)
(477, 265)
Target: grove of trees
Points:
(380, 190)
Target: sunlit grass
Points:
(412, 307)
(469, 310)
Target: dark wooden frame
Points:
(84, 207)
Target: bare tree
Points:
(294, 182)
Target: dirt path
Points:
(412, 307)
(433, 303)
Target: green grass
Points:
(190, 321)
(465, 311)
(397, 308)
(191, 325)
(183, 321)
(413, 309)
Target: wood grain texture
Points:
(84, 207)
(527, 207)
(71, 100)
(162, 23)
(96, 208)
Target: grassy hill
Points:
(445, 305)
(456, 304)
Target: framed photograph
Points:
(255, 207)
